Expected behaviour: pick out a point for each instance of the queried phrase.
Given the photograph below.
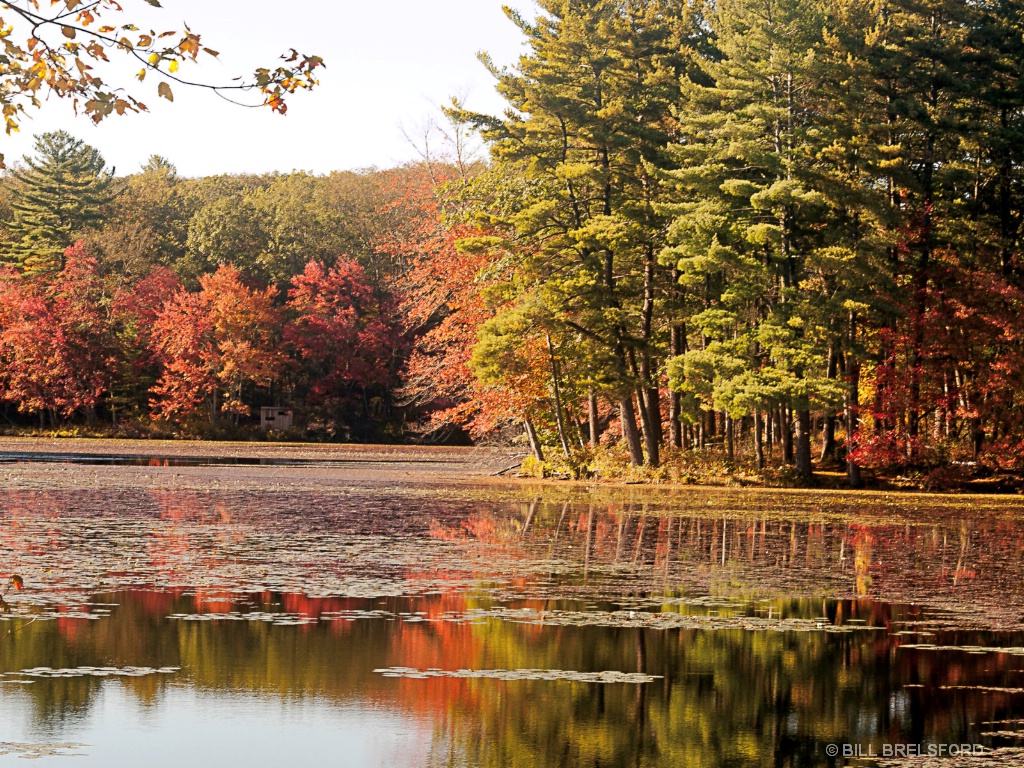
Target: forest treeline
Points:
(770, 230)
(153, 299)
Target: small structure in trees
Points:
(279, 419)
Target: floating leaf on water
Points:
(970, 649)
(34, 751)
(634, 678)
(95, 671)
(1004, 757)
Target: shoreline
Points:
(473, 464)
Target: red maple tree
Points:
(56, 350)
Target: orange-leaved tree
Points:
(442, 307)
(212, 344)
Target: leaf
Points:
(174, 66)
(69, 32)
(17, 582)
(165, 90)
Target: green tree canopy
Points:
(62, 191)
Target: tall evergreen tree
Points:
(62, 191)
(591, 107)
(752, 217)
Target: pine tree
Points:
(63, 191)
(998, 71)
(591, 113)
(753, 216)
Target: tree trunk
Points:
(595, 433)
(758, 440)
(559, 414)
(675, 422)
(652, 398)
(581, 432)
(729, 429)
(852, 418)
(922, 269)
(828, 433)
(803, 444)
(786, 433)
(648, 391)
(627, 416)
(828, 437)
(531, 436)
(677, 344)
(650, 426)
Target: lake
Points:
(267, 606)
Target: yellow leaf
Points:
(174, 66)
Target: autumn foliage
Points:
(56, 352)
(443, 304)
(68, 348)
(211, 344)
(343, 337)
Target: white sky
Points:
(389, 64)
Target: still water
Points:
(324, 617)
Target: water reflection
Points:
(722, 695)
(769, 633)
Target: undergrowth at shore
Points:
(711, 467)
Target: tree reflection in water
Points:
(736, 614)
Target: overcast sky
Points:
(389, 64)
